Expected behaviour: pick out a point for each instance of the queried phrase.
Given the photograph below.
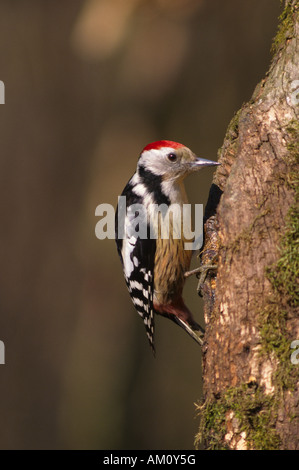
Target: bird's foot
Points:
(201, 274)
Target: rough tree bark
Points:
(251, 390)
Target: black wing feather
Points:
(140, 277)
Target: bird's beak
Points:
(201, 163)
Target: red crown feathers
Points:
(163, 143)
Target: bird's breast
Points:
(172, 260)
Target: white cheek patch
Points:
(155, 160)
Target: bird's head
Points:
(170, 160)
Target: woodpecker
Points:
(154, 266)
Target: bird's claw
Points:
(201, 274)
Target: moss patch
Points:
(284, 274)
(275, 342)
(245, 408)
(285, 28)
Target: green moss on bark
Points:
(285, 28)
(283, 276)
(245, 409)
(284, 273)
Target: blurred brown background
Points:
(88, 84)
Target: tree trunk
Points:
(251, 390)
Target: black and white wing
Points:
(137, 256)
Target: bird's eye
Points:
(172, 157)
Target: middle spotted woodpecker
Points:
(154, 265)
